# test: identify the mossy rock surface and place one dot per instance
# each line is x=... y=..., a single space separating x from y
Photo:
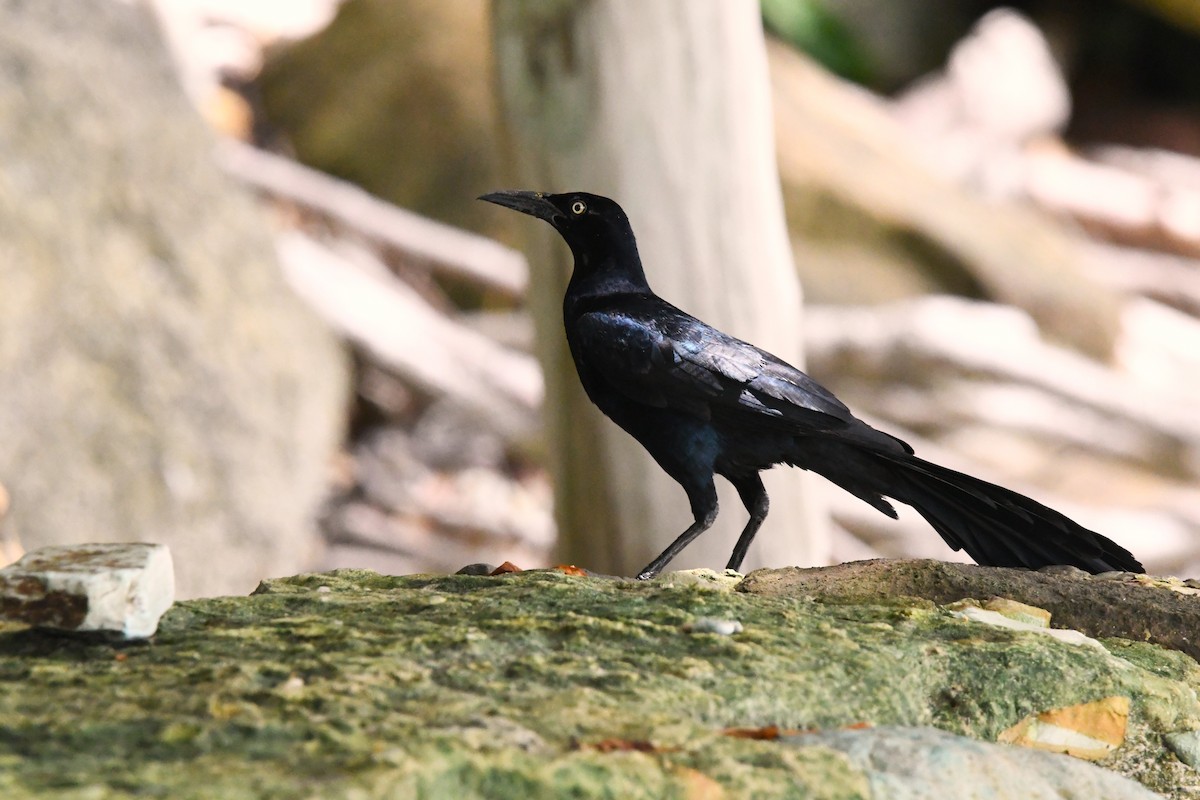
x=539 y=684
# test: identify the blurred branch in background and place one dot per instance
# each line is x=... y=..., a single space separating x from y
x=846 y=161
x=453 y=252
x=977 y=389
x=991 y=183
x=450 y=403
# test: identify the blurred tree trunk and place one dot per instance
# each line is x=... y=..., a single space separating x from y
x=665 y=107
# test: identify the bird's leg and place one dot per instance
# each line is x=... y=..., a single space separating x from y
x=704 y=509
x=754 y=496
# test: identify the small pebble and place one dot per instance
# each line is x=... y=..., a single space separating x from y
x=721 y=627
x=292 y=687
x=1186 y=746
x=476 y=569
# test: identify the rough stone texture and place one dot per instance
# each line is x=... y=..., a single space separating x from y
x=117 y=588
x=1186 y=746
x=923 y=763
x=1135 y=607
x=160 y=381
x=544 y=685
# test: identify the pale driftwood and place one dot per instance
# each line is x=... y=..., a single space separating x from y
x=664 y=106
x=841 y=149
x=365 y=526
x=402 y=333
x=1164 y=536
x=513 y=329
x=981 y=378
x=449 y=250
x=1168 y=278
x=1120 y=204
x=939 y=334
x=1000 y=87
x=1175 y=169
x=431 y=540
x=965 y=404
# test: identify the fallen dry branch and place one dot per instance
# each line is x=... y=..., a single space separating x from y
x=1115 y=202
x=449 y=250
x=1173 y=280
x=985 y=390
x=837 y=141
x=944 y=335
x=404 y=334
x=1162 y=533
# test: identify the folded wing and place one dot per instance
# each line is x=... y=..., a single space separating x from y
x=660 y=356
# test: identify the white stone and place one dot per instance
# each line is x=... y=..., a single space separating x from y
x=721 y=627
x=998 y=620
x=1186 y=746
x=122 y=588
x=927 y=764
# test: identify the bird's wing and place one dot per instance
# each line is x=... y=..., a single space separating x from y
x=660 y=356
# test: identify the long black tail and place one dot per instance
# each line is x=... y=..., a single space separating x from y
x=996 y=526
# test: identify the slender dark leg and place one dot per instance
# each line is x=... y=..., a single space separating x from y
x=704 y=509
x=754 y=496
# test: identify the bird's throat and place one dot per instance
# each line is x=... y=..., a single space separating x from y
x=595 y=275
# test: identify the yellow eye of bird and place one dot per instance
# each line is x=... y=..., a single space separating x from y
x=578 y=207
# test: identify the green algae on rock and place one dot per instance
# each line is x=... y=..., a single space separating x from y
x=354 y=684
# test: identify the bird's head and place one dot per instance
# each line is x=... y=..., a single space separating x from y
x=589 y=223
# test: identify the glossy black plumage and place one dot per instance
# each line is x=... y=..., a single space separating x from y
x=702 y=403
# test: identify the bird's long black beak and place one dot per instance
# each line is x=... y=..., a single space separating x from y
x=534 y=204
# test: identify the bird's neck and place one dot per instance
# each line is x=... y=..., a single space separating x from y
x=610 y=270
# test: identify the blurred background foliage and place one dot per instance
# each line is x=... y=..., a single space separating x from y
x=811 y=27
x=886 y=199
x=388 y=79
x=1140 y=48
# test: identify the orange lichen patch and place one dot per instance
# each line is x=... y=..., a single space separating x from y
x=1090 y=730
x=771 y=732
x=698 y=786
x=765 y=733
x=571 y=569
x=617 y=745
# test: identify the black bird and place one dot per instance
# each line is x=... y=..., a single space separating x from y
x=702 y=403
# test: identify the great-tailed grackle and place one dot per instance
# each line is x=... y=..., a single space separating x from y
x=702 y=403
